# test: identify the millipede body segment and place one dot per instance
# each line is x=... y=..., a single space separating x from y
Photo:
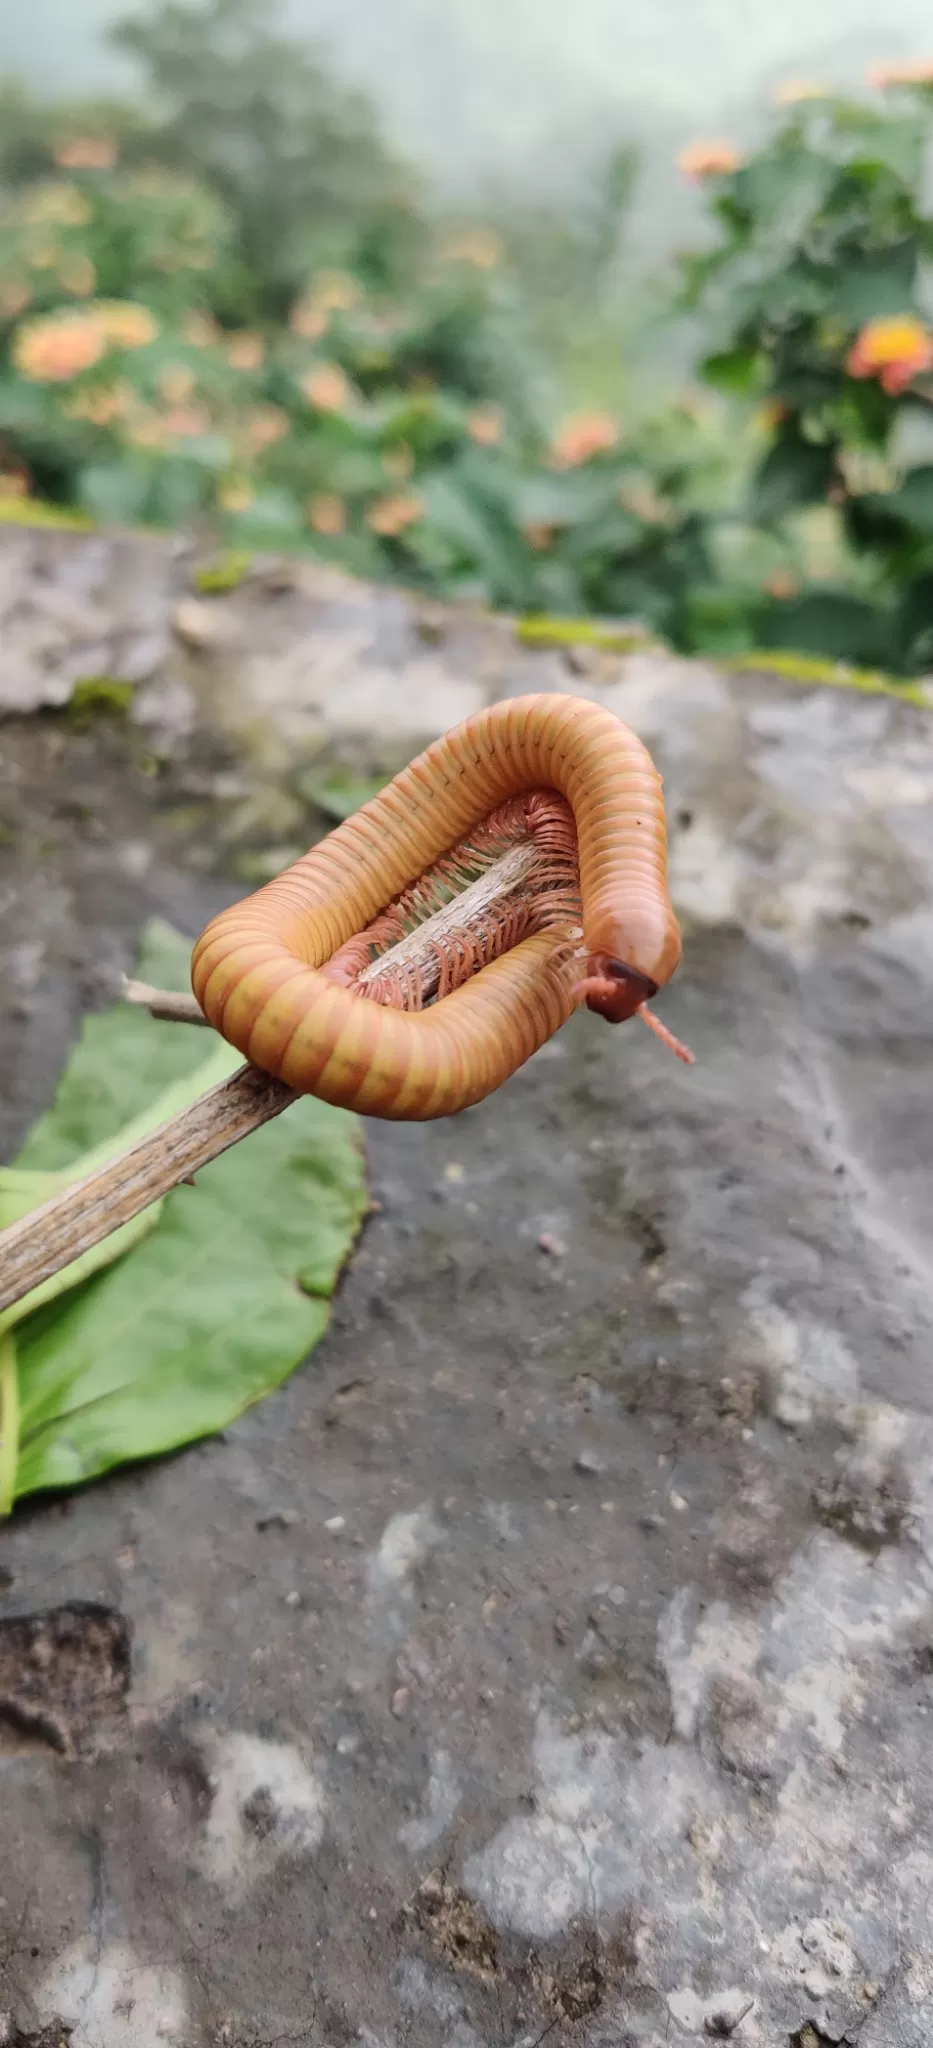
x=276 y=973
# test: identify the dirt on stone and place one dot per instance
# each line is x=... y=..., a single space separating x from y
x=64 y=1673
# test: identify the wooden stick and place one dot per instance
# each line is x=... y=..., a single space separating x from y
x=50 y=1237
x=164 y=1003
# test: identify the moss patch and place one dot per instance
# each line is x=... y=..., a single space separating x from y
x=810 y=669
x=33 y=512
x=95 y=694
x=227 y=573
x=547 y=632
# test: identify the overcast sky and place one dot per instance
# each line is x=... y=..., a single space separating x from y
x=515 y=87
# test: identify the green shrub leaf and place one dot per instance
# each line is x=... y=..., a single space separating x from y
x=220 y=1301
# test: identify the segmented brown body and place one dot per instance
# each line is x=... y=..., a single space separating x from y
x=265 y=974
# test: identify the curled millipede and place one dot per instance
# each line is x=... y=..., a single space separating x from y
x=282 y=975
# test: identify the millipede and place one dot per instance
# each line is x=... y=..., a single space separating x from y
x=280 y=974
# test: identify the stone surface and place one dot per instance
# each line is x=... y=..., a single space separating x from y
x=553 y=1656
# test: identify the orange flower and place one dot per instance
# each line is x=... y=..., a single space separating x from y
x=794 y=90
x=307 y=319
x=486 y=425
x=390 y=516
x=326 y=387
x=913 y=71
x=479 y=246
x=236 y=495
x=246 y=351
x=56 y=350
x=539 y=535
x=76 y=274
x=186 y=422
x=327 y=513
x=580 y=438
x=781 y=584
x=266 y=425
x=895 y=351
x=87 y=153
x=124 y=324
x=176 y=383
x=708 y=160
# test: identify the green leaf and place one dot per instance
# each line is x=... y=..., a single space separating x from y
x=113 y=492
x=21 y=1192
x=911 y=505
x=782 y=187
x=794 y=472
x=877 y=286
x=21 y=405
x=830 y=622
x=9 y=1421
x=24 y=1188
x=734 y=369
x=272 y=519
x=339 y=799
x=122 y=1061
x=219 y=1303
x=915 y=623
x=892 y=146
x=176 y=491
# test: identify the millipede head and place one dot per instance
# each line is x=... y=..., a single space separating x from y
x=613 y=990
x=617 y=992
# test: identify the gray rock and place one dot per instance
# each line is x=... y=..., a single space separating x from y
x=461 y=1791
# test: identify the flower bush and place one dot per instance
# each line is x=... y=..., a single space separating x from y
x=819 y=291
x=400 y=435
x=340 y=371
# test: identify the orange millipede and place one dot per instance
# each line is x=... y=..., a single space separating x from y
x=278 y=974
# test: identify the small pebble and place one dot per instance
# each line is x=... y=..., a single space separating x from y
x=277 y=1518
x=335 y=1523
x=588 y=1462
x=678 y=1503
x=400 y=1699
x=554 y=1246
x=293 y=1599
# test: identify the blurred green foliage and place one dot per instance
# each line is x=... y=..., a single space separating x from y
x=234 y=308
x=818 y=296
